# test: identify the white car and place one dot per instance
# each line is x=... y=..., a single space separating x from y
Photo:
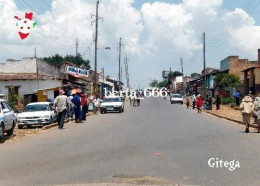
x=40 y=113
x=7 y=119
x=176 y=98
x=114 y=104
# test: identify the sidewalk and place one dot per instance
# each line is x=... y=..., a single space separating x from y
x=226 y=112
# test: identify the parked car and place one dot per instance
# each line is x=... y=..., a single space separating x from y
x=114 y=104
x=7 y=119
x=176 y=98
x=40 y=113
x=2 y=96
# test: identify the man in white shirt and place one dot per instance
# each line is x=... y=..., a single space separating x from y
x=60 y=105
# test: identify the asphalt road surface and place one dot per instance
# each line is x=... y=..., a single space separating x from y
x=155 y=143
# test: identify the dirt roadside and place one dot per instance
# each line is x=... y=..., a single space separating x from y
x=34 y=130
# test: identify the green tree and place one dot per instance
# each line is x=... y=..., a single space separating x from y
x=176 y=73
x=172 y=75
x=154 y=83
x=194 y=75
x=78 y=60
x=55 y=60
x=227 y=81
x=12 y=97
x=162 y=84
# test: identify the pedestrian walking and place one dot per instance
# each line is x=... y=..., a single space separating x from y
x=96 y=103
x=209 y=102
x=257 y=111
x=199 y=103
x=77 y=108
x=247 y=108
x=218 y=101
x=237 y=97
x=84 y=105
x=193 y=101
x=60 y=104
x=188 y=101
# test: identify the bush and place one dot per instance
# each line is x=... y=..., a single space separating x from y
x=232 y=105
x=228 y=100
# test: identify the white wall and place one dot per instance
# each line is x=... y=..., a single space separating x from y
x=29 y=86
x=27 y=65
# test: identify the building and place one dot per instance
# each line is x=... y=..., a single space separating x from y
x=27 y=76
x=197 y=85
x=115 y=83
x=234 y=65
x=105 y=85
x=252 y=78
x=33 y=79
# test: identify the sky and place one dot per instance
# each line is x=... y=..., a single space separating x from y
x=155 y=34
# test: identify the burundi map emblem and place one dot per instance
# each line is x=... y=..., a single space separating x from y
x=25 y=25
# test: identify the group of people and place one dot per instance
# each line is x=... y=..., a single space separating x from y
x=135 y=100
x=69 y=105
x=248 y=107
x=77 y=105
x=197 y=102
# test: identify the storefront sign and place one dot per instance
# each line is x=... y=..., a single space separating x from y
x=77 y=72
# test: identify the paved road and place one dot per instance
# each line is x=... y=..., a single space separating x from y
x=122 y=145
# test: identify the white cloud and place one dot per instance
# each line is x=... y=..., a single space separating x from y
x=154 y=37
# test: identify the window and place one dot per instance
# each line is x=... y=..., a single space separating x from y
x=9 y=107
x=4 y=105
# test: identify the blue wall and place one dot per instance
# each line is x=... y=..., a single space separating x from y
x=224 y=64
x=209 y=81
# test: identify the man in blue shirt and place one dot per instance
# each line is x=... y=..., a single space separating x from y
x=237 y=96
x=77 y=108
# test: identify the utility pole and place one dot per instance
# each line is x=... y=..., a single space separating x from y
x=126 y=72
x=182 y=76
x=103 y=82
x=119 y=75
x=96 y=42
x=77 y=44
x=204 y=62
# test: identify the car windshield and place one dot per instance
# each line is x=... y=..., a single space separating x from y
x=35 y=108
x=177 y=96
x=108 y=100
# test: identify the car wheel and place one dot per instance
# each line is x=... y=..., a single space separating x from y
x=101 y=112
x=120 y=110
x=1 y=133
x=171 y=102
x=123 y=110
x=11 y=131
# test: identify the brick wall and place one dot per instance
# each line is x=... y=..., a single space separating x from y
x=236 y=66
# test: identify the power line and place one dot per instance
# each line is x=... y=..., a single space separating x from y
x=119 y=76
x=238 y=23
